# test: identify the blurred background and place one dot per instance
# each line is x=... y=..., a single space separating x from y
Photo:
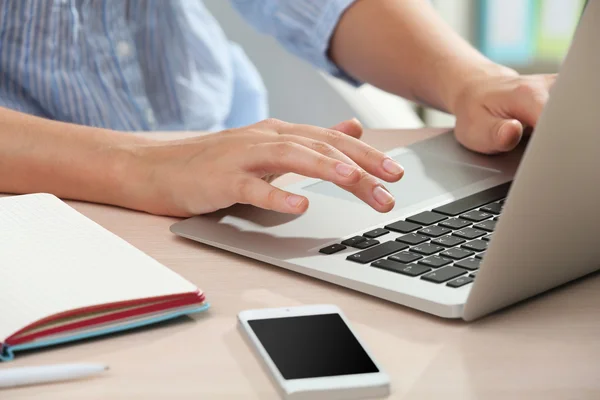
x=531 y=36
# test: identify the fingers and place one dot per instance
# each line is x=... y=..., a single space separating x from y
x=524 y=106
x=351 y=127
x=496 y=122
x=490 y=134
x=288 y=156
x=549 y=79
x=527 y=102
x=320 y=147
x=371 y=160
x=256 y=192
x=285 y=156
x=508 y=135
x=323 y=154
x=367 y=188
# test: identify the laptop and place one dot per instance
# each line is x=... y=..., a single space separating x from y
x=470 y=234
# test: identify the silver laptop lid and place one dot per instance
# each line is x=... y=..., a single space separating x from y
x=547 y=234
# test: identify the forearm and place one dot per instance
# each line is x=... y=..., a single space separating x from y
x=404 y=47
x=70 y=161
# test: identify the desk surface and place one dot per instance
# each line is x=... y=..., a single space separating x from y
x=544 y=348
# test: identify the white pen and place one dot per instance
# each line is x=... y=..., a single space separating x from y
x=21 y=376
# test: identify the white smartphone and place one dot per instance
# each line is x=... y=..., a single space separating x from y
x=312 y=353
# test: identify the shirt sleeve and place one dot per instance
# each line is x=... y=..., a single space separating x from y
x=303 y=27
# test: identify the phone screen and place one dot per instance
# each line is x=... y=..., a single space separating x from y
x=312 y=346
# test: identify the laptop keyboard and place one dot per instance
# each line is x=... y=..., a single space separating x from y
x=443 y=246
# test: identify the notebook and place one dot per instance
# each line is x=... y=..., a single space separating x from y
x=65 y=278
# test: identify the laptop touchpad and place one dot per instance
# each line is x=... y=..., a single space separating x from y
x=426 y=176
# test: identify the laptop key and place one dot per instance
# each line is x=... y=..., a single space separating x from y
x=473 y=274
x=403 y=227
x=493 y=208
x=435 y=261
x=405 y=257
x=444 y=274
x=413 y=239
x=475 y=200
x=476 y=245
x=480 y=255
x=487 y=226
x=379 y=251
x=427 y=218
x=427 y=249
x=366 y=244
x=469 y=233
x=435 y=231
x=487 y=238
x=448 y=241
x=456 y=254
x=476 y=216
x=455 y=223
x=375 y=233
x=404 y=269
x=460 y=282
x=353 y=241
x=334 y=248
x=470 y=263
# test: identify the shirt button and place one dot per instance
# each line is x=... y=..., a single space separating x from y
x=123 y=49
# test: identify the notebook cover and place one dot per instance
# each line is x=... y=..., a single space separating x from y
x=63 y=238
x=120 y=315
x=7 y=353
x=187 y=298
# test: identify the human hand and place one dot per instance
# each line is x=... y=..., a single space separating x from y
x=493 y=112
x=200 y=175
x=351 y=127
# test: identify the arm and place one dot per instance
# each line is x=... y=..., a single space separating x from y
x=404 y=47
x=191 y=176
x=69 y=161
x=412 y=52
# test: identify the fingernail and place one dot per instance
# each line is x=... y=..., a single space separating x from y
x=509 y=134
x=504 y=129
x=345 y=169
x=294 y=200
x=392 y=167
x=382 y=196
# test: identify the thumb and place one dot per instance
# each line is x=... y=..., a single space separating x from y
x=508 y=135
x=351 y=127
x=494 y=135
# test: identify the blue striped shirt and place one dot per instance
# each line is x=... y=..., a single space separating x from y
x=148 y=64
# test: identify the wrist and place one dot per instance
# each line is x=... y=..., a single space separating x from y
x=127 y=172
x=142 y=176
x=463 y=80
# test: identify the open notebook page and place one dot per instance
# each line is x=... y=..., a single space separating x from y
x=53 y=259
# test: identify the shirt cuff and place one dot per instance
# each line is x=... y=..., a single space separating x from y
x=303 y=27
x=328 y=21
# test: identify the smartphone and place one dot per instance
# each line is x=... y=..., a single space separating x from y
x=311 y=352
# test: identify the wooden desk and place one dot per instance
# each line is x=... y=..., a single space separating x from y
x=547 y=348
